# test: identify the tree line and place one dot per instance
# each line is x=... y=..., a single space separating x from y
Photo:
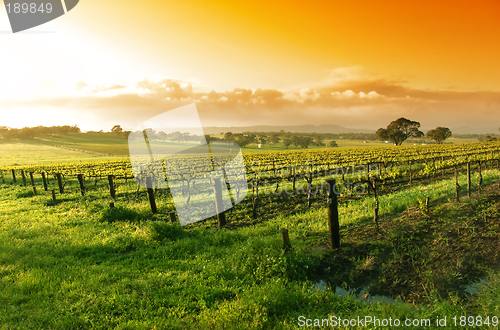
x=29 y=133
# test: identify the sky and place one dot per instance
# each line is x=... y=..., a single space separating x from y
x=358 y=64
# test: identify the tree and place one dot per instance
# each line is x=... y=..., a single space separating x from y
x=274 y=139
x=487 y=138
x=399 y=130
x=287 y=141
x=333 y=144
x=439 y=134
x=318 y=140
x=117 y=129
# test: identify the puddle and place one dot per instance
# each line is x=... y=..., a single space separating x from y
x=361 y=296
x=473 y=288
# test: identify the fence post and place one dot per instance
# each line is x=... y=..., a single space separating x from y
x=82 y=184
x=173 y=219
x=221 y=216
x=44 y=179
x=480 y=182
x=286 y=239
x=54 y=196
x=112 y=190
x=442 y=163
x=409 y=169
x=468 y=179
x=151 y=195
x=60 y=183
x=333 y=215
x=24 y=177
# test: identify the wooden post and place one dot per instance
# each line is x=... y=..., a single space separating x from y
x=24 y=177
x=468 y=179
x=218 y=203
x=286 y=239
x=44 y=180
x=14 y=175
x=427 y=203
x=112 y=191
x=442 y=163
x=457 y=186
x=151 y=194
x=82 y=184
x=255 y=201
x=60 y=183
x=375 y=212
x=333 y=215
x=54 y=196
x=32 y=179
x=409 y=169
x=309 y=184
x=294 y=179
x=173 y=218
x=480 y=182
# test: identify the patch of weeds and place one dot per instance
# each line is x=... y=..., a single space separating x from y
x=167 y=231
x=119 y=214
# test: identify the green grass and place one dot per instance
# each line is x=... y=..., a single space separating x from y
x=95 y=146
x=31 y=154
x=81 y=265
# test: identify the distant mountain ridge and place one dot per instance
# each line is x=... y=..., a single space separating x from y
x=336 y=129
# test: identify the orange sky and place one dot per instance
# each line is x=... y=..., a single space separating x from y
x=316 y=62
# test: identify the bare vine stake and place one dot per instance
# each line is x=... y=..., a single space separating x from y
x=480 y=178
x=112 y=190
x=375 y=211
x=333 y=215
x=24 y=177
x=457 y=186
x=409 y=169
x=221 y=216
x=14 y=175
x=468 y=179
x=60 y=183
x=294 y=179
x=427 y=203
x=309 y=184
x=151 y=194
x=82 y=184
x=442 y=163
x=44 y=180
x=255 y=197
x=32 y=179
x=286 y=239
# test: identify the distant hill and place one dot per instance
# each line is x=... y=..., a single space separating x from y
x=474 y=130
x=292 y=129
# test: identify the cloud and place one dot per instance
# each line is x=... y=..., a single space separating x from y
x=346 y=97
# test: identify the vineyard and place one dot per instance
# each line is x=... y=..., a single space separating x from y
x=82 y=248
x=276 y=180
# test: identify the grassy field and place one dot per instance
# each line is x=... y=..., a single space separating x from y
x=94 y=146
x=80 y=265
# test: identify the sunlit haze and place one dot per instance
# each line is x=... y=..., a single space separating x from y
x=355 y=64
